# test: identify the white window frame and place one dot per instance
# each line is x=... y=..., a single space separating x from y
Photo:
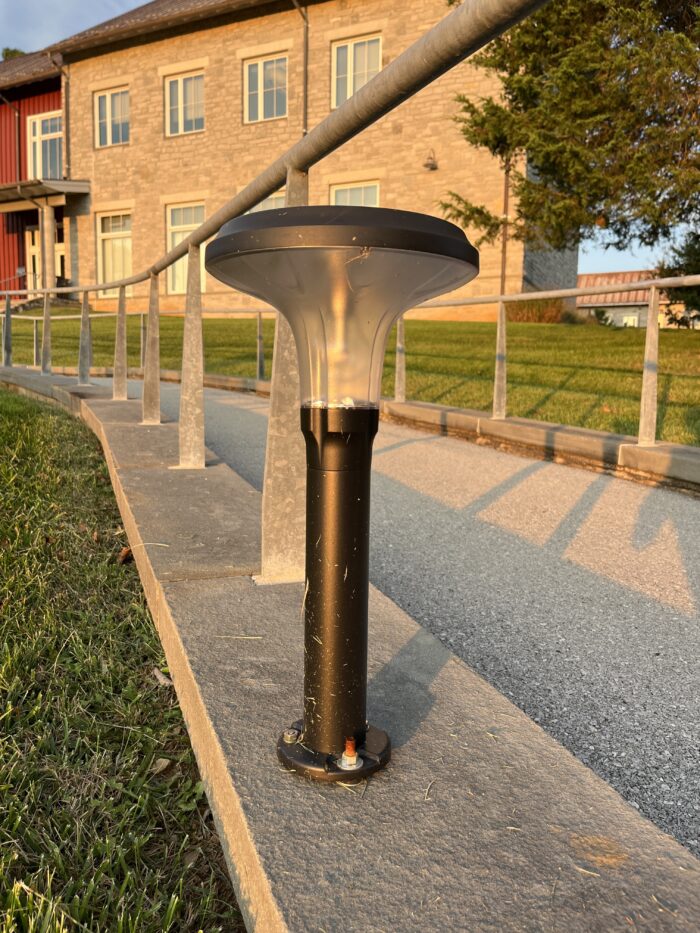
x=169 y=229
x=36 y=171
x=260 y=62
x=107 y=93
x=350 y=43
x=370 y=182
x=179 y=80
x=101 y=237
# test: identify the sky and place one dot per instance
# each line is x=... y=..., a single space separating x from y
x=33 y=24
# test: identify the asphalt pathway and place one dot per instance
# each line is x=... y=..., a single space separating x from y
x=575 y=594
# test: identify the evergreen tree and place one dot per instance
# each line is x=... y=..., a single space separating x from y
x=684 y=259
x=597 y=124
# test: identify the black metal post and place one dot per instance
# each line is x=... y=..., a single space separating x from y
x=334 y=741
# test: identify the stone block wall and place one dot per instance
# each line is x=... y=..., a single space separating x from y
x=154 y=170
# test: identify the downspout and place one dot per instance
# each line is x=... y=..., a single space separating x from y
x=305 y=16
x=66 y=110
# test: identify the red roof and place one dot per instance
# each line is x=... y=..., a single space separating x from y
x=640 y=296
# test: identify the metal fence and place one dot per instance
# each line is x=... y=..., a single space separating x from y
x=461 y=33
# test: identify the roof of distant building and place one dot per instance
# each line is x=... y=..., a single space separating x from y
x=639 y=296
x=24 y=69
x=152 y=17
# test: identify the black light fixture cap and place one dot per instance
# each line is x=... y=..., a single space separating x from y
x=363 y=227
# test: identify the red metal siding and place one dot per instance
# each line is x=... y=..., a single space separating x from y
x=42 y=97
x=35 y=98
x=12 y=228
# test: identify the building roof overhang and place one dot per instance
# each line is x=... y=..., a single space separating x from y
x=19 y=195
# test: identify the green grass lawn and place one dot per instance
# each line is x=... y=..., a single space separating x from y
x=588 y=376
x=103 y=820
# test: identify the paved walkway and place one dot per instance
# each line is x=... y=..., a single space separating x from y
x=575 y=594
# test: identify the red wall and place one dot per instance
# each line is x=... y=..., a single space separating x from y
x=31 y=99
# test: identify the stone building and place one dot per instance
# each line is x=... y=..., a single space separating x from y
x=172 y=108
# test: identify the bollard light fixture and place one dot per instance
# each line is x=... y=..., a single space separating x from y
x=341 y=276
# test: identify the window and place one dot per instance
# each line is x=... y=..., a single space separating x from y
x=355 y=62
x=630 y=320
x=182 y=220
x=184 y=104
x=113 y=248
x=112 y=118
x=45 y=155
x=365 y=194
x=265 y=89
x=271 y=203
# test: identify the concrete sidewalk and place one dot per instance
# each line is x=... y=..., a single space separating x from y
x=573 y=593
x=482 y=822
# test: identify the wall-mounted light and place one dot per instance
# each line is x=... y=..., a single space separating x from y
x=431 y=162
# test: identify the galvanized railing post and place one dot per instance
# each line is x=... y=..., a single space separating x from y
x=649 y=400
x=499 y=381
x=151 y=371
x=142 y=341
x=7 y=334
x=400 y=367
x=284 y=484
x=37 y=355
x=119 y=390
x=46 y=337
x=191 y=424
x=260 y=348
x=85 y=351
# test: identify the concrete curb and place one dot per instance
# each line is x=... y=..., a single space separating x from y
x=674 y=465
x=482 y=822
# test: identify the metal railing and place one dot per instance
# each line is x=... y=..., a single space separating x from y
x=464 y=31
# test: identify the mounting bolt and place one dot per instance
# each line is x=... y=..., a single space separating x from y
x=350 y=760
x=290 y=736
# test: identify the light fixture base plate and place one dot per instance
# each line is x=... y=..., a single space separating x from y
x=375 y=754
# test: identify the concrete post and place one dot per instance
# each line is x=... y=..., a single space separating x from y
x=499 y=382
x=48 y=246
x=37 y=355
x=284 y=484
x=7 y=334
x=46 y=338
x=400 y=369
x=85 y=351
x=142 y=339
x=119 y=391
x=260 y=349
x=648 y=405
x=151 y=371
x=191 y=423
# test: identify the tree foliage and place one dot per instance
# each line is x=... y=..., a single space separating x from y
x=11 y=53
x=598 y=121
x=684 y=259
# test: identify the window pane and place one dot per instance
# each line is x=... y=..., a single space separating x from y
x=198 y=86
x=102 y=120
x=268 y=75
x=373 y=63
x=359 y=65
x=341 y=74
x=356 y=196
x=193 y=103
x=253 y=92
x=270 y=203
x=174 y=119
